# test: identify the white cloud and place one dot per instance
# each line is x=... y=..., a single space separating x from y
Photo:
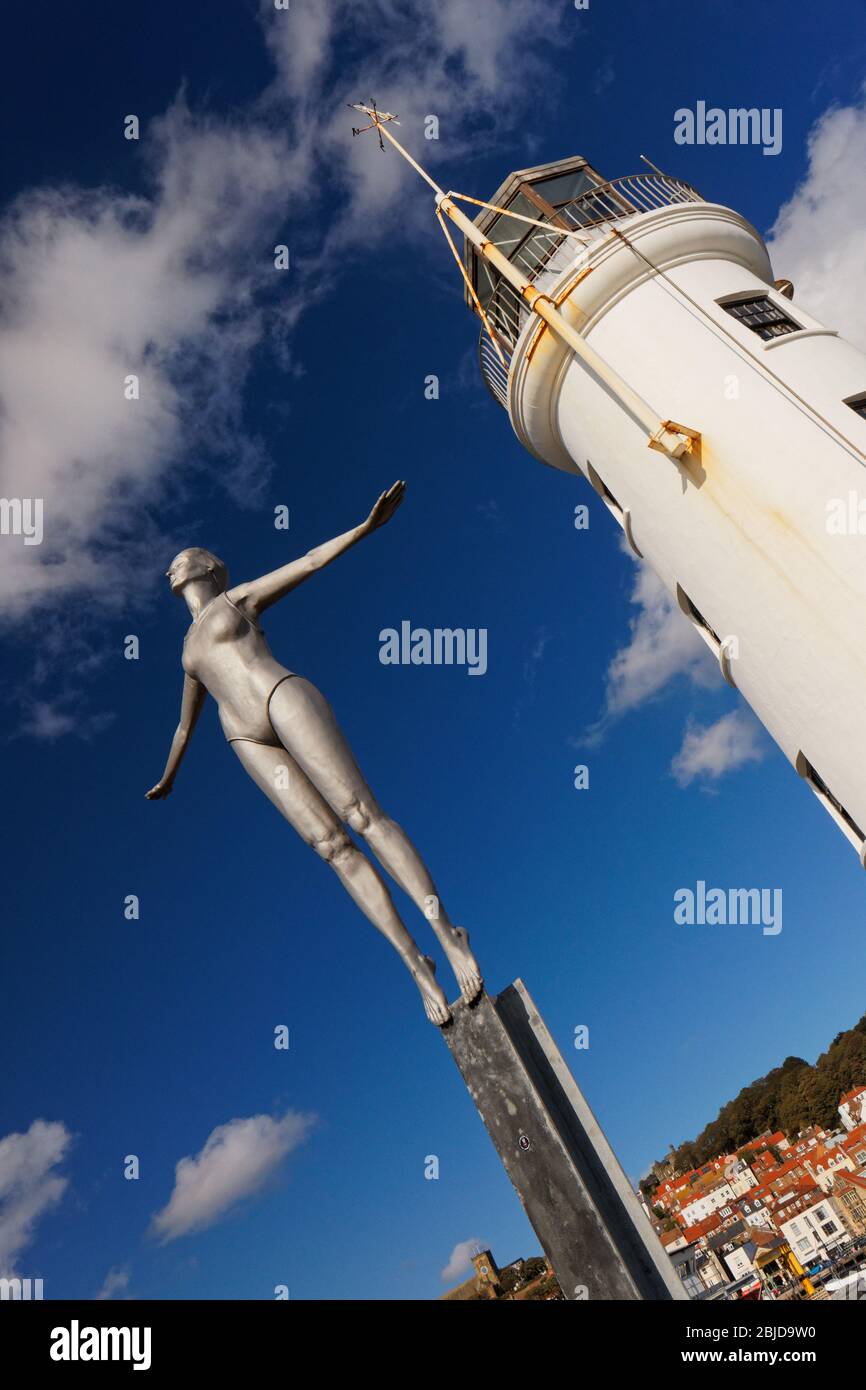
x=115 y=1284
x=708 y=752
x=817 y=240
x=98 y=285
x=46 y=721
x=473 y=67
x=460 y=1260
x=174 y=282
x=236 y=1162
x=489 y=37
x=299 y=42
x=29 y=1185
x=531 y=668
x=663 y=645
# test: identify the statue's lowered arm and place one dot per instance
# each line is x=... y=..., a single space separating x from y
x=194 y=696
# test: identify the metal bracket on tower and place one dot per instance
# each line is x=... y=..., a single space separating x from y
x=674 y=439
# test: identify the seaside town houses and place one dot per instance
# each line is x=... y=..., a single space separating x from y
x=852 y=1108
x=780 y=1218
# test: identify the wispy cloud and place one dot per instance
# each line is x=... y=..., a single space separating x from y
x=536 y=656
x=460 y=1260
x=115 y=1284
x=99 y=286
x=175 y=283
x=46 y=721
x=29 y=1185
x=662 y=647
x=817 y=240
x=447 y=60
x=710 y=751
x=490 y=511
x=176 y=286
x=531 y=667
x=237 y=1161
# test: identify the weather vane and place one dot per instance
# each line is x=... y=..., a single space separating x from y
x=375 y=124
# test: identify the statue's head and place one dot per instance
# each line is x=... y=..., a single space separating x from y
x=196 y=563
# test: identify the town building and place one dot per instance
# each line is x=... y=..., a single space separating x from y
x=852 y=1108
x=815 y=1231
x=522 y=1280
x=772 y=1218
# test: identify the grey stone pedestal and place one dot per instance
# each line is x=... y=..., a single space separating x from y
x=589 y=1221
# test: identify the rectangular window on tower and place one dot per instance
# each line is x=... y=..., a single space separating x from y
x=857 y=403
x=843 y=819
x=604 y=492
x=709 y=634
x=758 y=312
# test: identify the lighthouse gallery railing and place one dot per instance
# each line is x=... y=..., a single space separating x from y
x=592 y=212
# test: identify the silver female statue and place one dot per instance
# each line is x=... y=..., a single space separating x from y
x=285 y=734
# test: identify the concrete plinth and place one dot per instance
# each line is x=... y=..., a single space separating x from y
x=589 y=1221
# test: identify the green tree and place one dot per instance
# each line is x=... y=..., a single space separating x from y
x=790 y=1098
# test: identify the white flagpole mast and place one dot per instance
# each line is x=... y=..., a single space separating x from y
x=666 y=435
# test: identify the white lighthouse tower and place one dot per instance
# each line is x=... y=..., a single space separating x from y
x=636 y=336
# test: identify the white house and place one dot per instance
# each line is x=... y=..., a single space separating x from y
x=814 y=1233
x=738 y=1263
x=740 y=1177
x=702 y=1207
x=852 y=1108
x=828 y=1162
x=757 y=1213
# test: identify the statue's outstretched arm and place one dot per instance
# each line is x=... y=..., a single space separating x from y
x=258 y=594
x=194 y=696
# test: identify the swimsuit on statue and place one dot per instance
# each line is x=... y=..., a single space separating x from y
x=228 y=653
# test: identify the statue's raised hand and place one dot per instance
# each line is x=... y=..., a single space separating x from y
x=385 y=507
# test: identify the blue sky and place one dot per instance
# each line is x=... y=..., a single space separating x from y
x=306 y=388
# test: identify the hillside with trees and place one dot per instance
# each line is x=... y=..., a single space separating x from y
x=790 y=1098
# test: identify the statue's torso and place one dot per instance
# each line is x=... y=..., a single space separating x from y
x=228 y=653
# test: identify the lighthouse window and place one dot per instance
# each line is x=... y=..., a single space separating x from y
x=508 y=232
x=823 y=792
x=759 y=313
x=604 y=492
x=565 y=187
x=858 y=403
x=709 y=634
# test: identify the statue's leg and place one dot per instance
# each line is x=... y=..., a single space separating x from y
x=305 y=723
x=292 y=792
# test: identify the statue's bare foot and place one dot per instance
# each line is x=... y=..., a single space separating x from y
x=466 y=968
x=435 y=1003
